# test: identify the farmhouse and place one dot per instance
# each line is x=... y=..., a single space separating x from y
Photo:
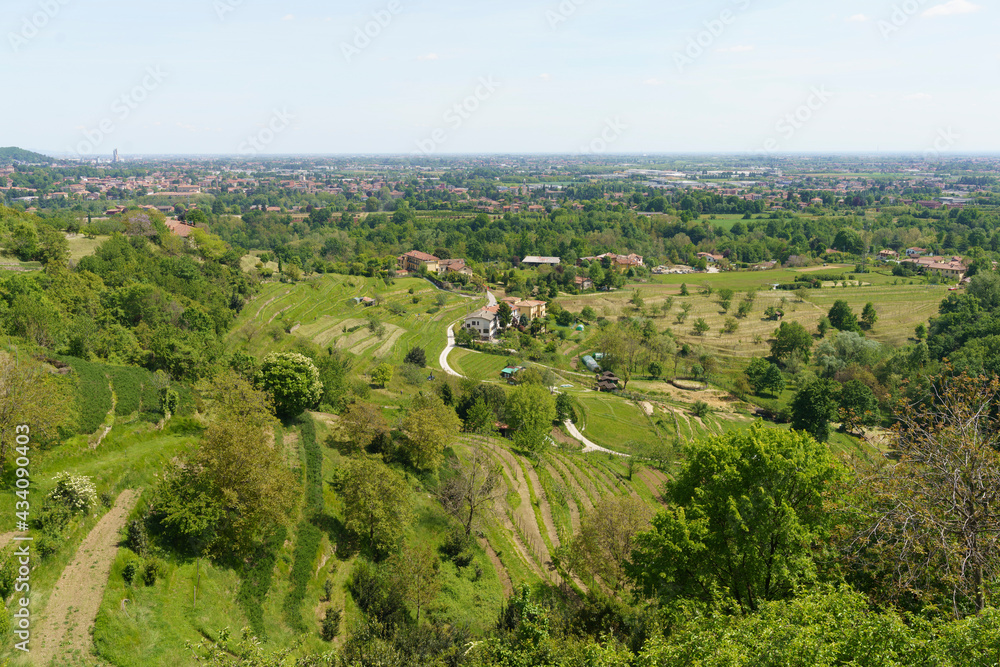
x=608 y=381
x=583 y=283
x=484 y=323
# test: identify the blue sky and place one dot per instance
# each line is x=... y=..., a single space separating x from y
x=249 y=76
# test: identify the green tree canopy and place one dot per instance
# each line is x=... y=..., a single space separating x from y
x=745 y=521
x=376 y=501
x=813 y=407
x=842 y=317
x=789 y=338
x=530 y=411
x=292 y=380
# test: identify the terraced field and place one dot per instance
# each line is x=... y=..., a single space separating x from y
x=542 y=503
x=323 y=311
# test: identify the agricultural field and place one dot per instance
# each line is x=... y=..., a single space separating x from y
x=81 y=246
x=901 y=307
x=322 y=310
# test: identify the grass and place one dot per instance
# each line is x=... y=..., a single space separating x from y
x=477 y=366
x=606 y=418
x=322 y=310
x=80 y=246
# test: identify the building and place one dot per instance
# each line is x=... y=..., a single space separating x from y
x=886 y=255
x=583 y=283
x=533 y=260
x=529 y=309
x=453 y=266
x=483 y=323
x=915 y=252
x=710 y=258
x=608 y=381
x=620 y=262
x=413 y=260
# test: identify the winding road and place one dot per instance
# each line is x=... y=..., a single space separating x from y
x=588 y=446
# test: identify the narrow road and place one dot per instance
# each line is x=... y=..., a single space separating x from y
x=443 y=359
x=588 y=446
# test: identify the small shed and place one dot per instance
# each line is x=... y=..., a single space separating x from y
x=509 y=372
x=580 y=327
x=607 y=382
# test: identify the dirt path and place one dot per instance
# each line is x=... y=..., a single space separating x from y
x=508 y=585
x=64 y=626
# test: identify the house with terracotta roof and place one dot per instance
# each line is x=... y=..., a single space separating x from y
x=483 y=323
x=413 y=260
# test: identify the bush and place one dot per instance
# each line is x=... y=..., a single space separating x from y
x=74 y=492
x=331 y=624
x=136 y=537
x=457 y=547
x=700 y=409
x=131 y=569
x=411 y=374
x=417 y=357
x=151 y=571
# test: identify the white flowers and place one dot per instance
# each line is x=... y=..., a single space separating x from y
x=76 y=492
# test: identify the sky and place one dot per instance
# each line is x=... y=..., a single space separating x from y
x=251 y=77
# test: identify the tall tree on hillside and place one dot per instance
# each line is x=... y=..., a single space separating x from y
x=622 y=346
x=376 y=501
x=813 y=407
x=746 y=519
x=472 y=488
x=32 y=403
x=931 y=521
x=843 y=318
x=530 y=411
x=430 y=426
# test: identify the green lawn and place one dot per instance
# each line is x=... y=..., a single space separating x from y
x=613 y=422
x=477 y=366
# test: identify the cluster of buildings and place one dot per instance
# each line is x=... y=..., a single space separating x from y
x=485 y=323
x=412 y=261
x=619 y=262
x=951 y=268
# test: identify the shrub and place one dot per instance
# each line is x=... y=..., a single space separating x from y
x=74 y=492
x=131 y=569
x=151 y=571
x=331 y=624
x=416 y=356
x=700 y=409
x=136 y=537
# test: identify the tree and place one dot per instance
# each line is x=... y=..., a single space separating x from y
x=858 y=406
x=480 y=418
x=789 y=338
x=773 y=381
x=813 y=407
x=235 y=490
x=529 y=412
x=745 y=520
x=755 y=373
x=604 y=544
x=376 y=501
x=364 y=424
x=472 y=488
x=637 y=300
x=504 y=314
x=869 y=316
x=931 y=522
x=823 y=326
x=292 y=380
x=725 y=299
x=701 y=326
x=623 y=346
x=667 y=306
x=731 y=325
x=685 y=311
x=920 y=331
x=564 y=407
x=416 y=356
x=382 y=375
x=684 y=289
x=588 y=314
x=744 y=309
x=843 y=318
x=32 y=403
x=430 y=426
x=655 y=369
x=414 y=573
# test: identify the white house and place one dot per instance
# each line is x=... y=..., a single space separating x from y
x=484 y=323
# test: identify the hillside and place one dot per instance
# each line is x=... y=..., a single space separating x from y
x=12 y=154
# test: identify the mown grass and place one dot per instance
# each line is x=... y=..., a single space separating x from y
x=477 y=366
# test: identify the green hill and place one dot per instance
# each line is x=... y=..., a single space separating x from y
x=13 y=154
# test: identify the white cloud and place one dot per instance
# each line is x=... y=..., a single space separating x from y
x=859 y=18
x=429 y=56
x=653 y=82
x=545 y=77
x=288 y=17
x=919 y=97
x=737 y=49
x=953 y=7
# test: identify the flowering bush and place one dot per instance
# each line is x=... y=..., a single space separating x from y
x=75 y=492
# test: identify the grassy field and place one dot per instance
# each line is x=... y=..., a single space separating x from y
x=322 y=310
x=900 y=308
x=80 y=246
x=477 y=366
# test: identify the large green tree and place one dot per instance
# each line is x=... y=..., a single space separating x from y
x=530 y=411
x=842 y=317
x=745 y=520
x=789 y=338
x=813 y=407
x=376 y=501
x=292 y=380
x=430 y=426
